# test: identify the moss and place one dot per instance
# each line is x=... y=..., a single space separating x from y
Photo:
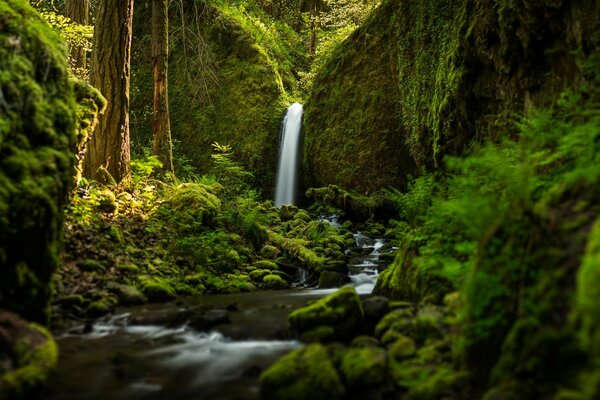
x=305 y=373
x=354 y=205
x=37 y=146
x=403 y=347
x=273 y=281
x=258 y=274
x=36 y=354
x=269 y=252
x=192 y=205
x=107 y=201
x=297 y=248
x=341 y=310
x=320 y=334
x=156 y=289
x=363 y=367
x=127 y=295
x=90 y=265
x=426 y=77
x=265 y=264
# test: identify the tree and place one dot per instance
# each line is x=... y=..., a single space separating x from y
x=110 y=72
x=161 y=125
x=77 y=11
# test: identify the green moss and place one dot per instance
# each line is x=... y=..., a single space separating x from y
x=258 y=274
x=265 y=264
x=363 y=367
x=90 y=265
x=403 y=347
x=273 y=281
x=34 y=362
x=37 y=144
x=156 y=289
x=297 y=248
x=341 y=310
x=305 y=373
x=320 y=334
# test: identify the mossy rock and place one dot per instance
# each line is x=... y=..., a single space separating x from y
x=192 y=205
x=363 y=367
x=320 y=334
x=101 y=307
x=33 y=353
x=403 y=347
x=265 y=264
x=341 y=310
x=258 y=274
x=273 y=281
x=330 y=279
x=399 y=320
x=127 y=295
x=106 y=201
x=305 y=373
x=127 y=267
x=157 y=290
x=90 y=265
x=269 y=252
x=38 y=139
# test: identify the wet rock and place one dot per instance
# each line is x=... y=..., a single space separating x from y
x=375 y=308
x=331 y=279
x=363 y=367
x=305 y=373
x=341 y=310
x=206 y=320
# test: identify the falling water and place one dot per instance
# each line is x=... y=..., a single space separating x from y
x=287 y=171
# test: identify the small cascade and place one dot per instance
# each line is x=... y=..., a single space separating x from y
x=289 y=154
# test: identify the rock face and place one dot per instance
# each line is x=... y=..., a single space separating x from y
x=427 y=77
x=37 y=156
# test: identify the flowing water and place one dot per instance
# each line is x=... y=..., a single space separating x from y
x=140 y=353
x=289 y=154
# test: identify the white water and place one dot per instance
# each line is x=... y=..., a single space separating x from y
x=289 y=151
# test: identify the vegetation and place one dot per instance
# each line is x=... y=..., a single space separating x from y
x=463 y=135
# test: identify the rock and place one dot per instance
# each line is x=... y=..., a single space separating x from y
x=365 y=341
x=157 y=290
x=305 y=373
x=273 y=281
x=32 y=353
x=287 y=212
x=340 y=310
x=269 y=252
x=89 y=265
x=363 y=367
x=258 y=274
x=106 y=201
x=208 y=319
x=429 y=323
x=331 y=279
x=399 y=320
x=375 y=307
x=127 y=295
x=265 y=264
x=402 y=348
x=320 y=334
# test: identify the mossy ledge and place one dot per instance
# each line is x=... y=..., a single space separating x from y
x=428 y=77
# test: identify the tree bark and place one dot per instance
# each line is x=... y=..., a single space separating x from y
x=78 y=11
x=110 y=72
x=161 y=126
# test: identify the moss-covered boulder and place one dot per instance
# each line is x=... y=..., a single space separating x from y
x=425 y=77
x=157 y=289
x=273 y=281
x=363 y=367
x=38 y=115
x=30 y=352
x=306 y=373
x=341 y=310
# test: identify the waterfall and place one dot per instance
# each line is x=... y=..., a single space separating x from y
x=289 y=152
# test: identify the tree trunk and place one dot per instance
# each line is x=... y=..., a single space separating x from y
x=161 y=126
x=110 y=72
x=78 y=11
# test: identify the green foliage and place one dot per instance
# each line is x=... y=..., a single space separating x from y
x=76 y=35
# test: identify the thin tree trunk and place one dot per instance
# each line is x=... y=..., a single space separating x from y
x=110 y=72
x=161 y=126
x=78 y=11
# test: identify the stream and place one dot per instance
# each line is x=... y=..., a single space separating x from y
x=145 y=353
